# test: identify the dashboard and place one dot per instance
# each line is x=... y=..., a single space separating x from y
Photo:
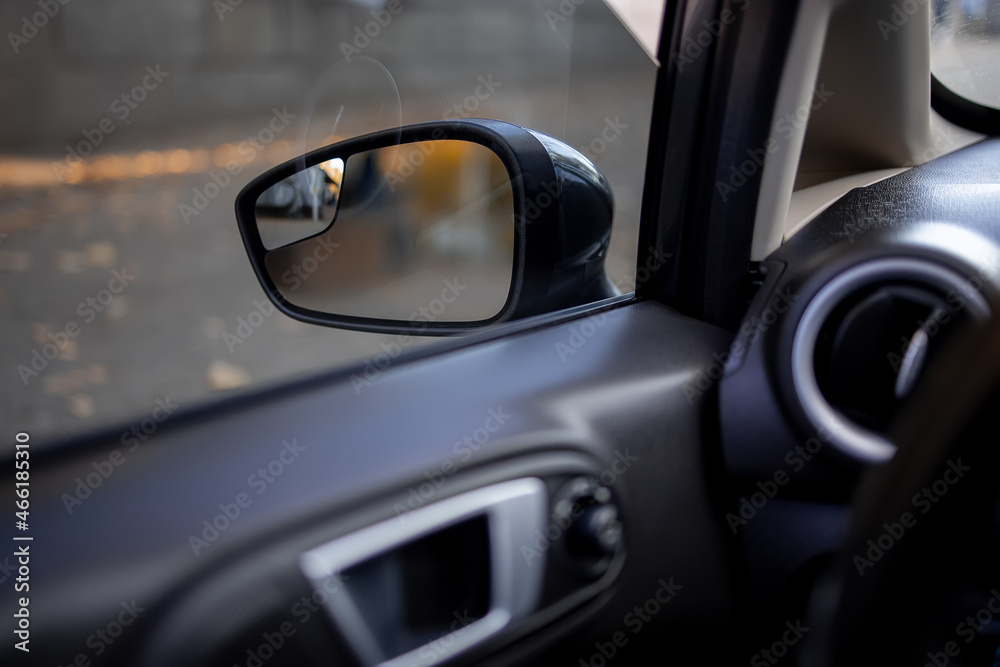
x=849 y=314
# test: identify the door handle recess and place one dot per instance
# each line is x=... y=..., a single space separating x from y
x=382 y=603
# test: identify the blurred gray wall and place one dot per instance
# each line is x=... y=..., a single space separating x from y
x=233 y=65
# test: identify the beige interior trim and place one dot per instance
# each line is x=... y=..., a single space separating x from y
x=798 y=81
x=873 y=114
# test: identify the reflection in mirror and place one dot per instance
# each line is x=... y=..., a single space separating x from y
x=424 y=233
x=300 y=206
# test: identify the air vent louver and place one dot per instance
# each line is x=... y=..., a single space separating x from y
x=864 y=340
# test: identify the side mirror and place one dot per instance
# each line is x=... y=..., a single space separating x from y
x=432 y=229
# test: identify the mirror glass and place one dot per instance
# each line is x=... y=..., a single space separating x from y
x=300 y=206
x=421 y=232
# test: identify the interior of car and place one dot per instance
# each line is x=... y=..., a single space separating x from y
x=770 y=444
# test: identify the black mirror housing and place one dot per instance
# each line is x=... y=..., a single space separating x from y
x=563 y=209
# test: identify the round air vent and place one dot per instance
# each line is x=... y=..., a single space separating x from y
x=864 y=340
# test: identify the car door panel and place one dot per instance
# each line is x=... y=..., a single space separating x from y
x=617 y=383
